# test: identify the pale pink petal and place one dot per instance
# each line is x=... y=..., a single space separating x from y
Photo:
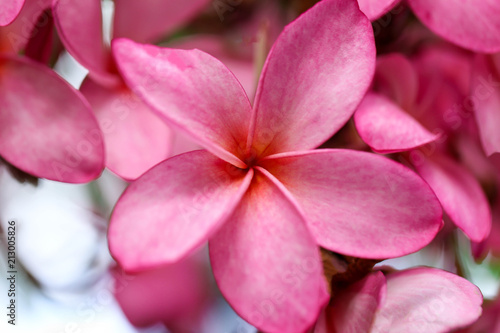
x=396 y=78
x=79 y=24
x=192 y=91
x=146 y=21
x=486 y=89
x=9 y=9
x=460 y=194
x=359 y=204
x=173 y=208
x=374 y=9
x=47 y=128
x=386 y=128
x=314 y=78
x=136 y=139
x=267 y=265
x=353 y=309
x=473 y=25
x=427 y=300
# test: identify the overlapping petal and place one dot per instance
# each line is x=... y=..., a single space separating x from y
x=9 y=9
x=47 y=128
x=79 y=24
x=374 y=9
x=266 y=263
x=315 y=76
x=473 y=25
x=359 y=204
x=427 y=300
x=173 y=208
x=136 y=139
x=386 y=128
x=485 y=87
x=147 y=20
x=192 y=91
x=460 y=194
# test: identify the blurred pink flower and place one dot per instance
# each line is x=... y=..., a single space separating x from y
x=46 y=127
x=413 y=300
x=262 y=197
x=421 y=102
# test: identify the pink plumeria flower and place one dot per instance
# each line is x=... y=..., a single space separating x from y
x=46 y=127
x=129 y=126
x=413 y=300
x=387 y=121
x=260 y=195
x=473 y=25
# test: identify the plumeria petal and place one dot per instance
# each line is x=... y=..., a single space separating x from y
x=79 y=24
x=47 y=128
x=486 y=89
x=9 y=9
x=173 y=208
x=374 y=9
x=396 y=78
x=314 y=78
x=473 y=25
x=386 y=128
x=359 y=204
x=427 y=300
x=460 y=194
x=135 y=138
x=192 y=91
x=353 y=310
x=266 y=263
x=152 y=19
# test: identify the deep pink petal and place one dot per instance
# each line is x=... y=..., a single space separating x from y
x=47 y=128
x=173 y=208
x=427 y=300
x=473 y=25
x=485 y=87
x=147 y=20
x=360 y=204
x=9 y=9
x=460 y=194
x=314 y=78
x=374 y=9
x=354 y=309
x=79 y=24
x=266 y=263
x=396 y=78
x=136 y=139
x=192 y=91
x=386 y=128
